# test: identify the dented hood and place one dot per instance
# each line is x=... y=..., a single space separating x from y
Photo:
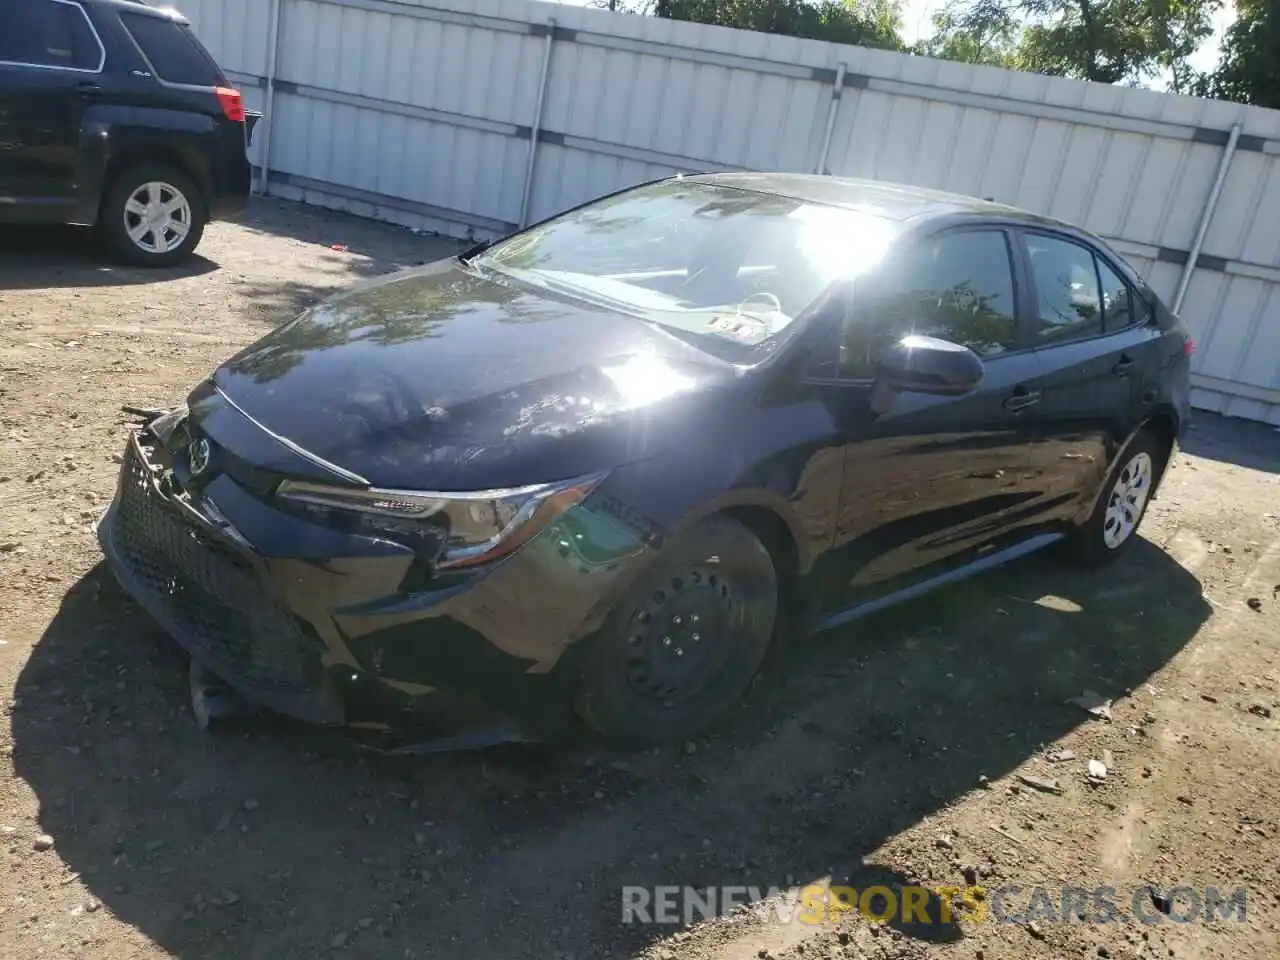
x=442 y=378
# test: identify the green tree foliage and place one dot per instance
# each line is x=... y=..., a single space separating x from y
x=1107 y=41
x=975 y=31
x=1114 y=40
x=1249 y=70
x=869 y=23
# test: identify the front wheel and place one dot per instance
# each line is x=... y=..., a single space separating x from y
x=682 y=649
x=152 y=216
x=1112 y=526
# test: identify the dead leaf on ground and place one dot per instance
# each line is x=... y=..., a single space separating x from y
x=1093 y=702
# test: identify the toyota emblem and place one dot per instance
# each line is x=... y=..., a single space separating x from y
x=198 y=455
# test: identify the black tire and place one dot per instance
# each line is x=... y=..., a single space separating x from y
x=114 y=220
x=1091 y=544
x=637 y=688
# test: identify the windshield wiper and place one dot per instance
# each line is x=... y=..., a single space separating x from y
x=578 y=293
x=473 y=251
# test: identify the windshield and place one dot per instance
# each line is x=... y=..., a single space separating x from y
x=729 y=268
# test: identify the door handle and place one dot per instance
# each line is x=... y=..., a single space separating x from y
x=1021 y=398
x=88 y=87
x=1122 y=368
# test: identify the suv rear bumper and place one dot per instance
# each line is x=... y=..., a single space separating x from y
x=231 y=174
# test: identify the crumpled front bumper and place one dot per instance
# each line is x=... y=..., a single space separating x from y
x=219 y=597
x=210 y=593
x=337 y=626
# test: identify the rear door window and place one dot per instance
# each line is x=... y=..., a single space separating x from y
x=1118 y=300
x=1067 y=289
x=172 y=50
x=48 y=33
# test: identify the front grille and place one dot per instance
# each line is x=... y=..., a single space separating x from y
x=207 y=589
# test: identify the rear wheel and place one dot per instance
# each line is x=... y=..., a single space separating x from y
x=1113 y=525
x=152 y=215
x=683 y=648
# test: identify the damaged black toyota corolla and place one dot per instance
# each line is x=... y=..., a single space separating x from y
x=579 y=475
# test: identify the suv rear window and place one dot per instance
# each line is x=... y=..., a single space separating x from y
x=173 y=51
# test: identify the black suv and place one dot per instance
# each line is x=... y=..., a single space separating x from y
x=113 y=115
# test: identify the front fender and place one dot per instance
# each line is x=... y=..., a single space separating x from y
x=807 y=542
x=799 y=489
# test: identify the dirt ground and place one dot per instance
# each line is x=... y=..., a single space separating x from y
x=888 y=753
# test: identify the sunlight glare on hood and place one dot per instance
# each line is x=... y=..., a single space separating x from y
x=644 y=379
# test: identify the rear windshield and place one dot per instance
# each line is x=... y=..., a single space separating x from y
x=173 y=51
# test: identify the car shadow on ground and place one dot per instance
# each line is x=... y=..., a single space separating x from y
x=267 y=839
x=1246 y=443
x=375 y=248
x=44 y=256
x=343 y=248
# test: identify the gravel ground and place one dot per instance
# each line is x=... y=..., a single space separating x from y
x=888 y=753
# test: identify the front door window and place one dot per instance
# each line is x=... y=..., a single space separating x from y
x=957 y=287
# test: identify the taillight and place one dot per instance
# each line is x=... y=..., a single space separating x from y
x=1189 y=347
x=232 y=103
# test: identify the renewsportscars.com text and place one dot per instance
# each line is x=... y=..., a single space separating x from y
x=1009 y=903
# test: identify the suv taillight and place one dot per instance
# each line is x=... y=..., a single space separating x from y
x=232 y=103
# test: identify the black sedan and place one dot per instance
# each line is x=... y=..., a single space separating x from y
x=589 y=473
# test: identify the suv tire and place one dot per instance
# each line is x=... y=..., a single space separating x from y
x=152 y=215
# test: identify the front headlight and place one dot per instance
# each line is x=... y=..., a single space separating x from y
x=465 y=528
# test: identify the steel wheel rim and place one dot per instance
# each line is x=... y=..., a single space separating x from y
x=157 y=217
x=1127 y=499
x=681 y=638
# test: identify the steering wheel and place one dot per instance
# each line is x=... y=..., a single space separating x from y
x=765 y=295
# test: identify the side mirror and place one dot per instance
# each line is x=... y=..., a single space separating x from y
x=929 y=365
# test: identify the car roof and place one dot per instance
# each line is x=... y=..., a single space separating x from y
x=149 y=7
x=893 y=201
